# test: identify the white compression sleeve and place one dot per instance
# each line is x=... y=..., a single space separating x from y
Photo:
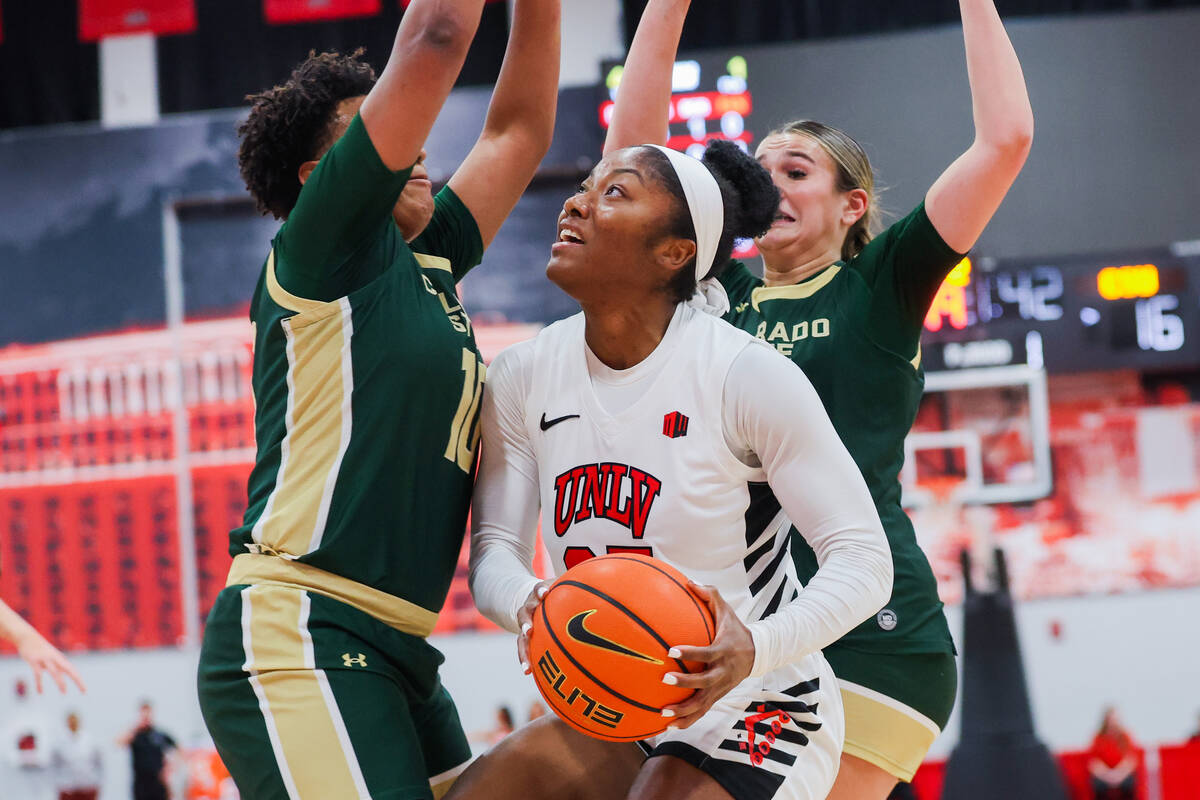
x=774 y=418
x=505 y=504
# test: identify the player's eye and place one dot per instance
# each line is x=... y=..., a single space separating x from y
x=797 y=174
x=581 y=188
x=614 y=191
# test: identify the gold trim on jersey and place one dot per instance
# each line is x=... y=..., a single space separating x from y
x=282 y=297
x=433 y=262
x=318 y=424
x=796 y=291
x=304 y=723
x=441 y=784
x=916 y=360
x=259 y=569
x=885 y=732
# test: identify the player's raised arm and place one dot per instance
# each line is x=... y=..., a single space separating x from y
x=962 y=201
x=431 y=46
x=642 y=110
x=520 y=119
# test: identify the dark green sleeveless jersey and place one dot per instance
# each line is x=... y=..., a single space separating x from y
x=367 y=383
x=854 y=328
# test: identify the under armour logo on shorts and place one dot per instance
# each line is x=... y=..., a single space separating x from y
x=361 y=661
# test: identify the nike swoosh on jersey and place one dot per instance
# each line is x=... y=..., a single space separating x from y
x=548 y=424
x=578 y=631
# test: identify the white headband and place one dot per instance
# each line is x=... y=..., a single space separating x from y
x=704 y=202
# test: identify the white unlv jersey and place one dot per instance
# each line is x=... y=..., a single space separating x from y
x=657 y=477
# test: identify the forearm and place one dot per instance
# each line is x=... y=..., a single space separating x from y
x=430 y=48
x=13 y=626
x=501 y=575
x=852 y=584
x=822 y=492
x=642 y=111
x=526 y=94
x=506 y=502
x=999 y=99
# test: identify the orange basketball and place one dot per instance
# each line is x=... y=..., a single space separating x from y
x=600 y=639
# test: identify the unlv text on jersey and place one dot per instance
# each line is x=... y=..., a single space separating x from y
x=619 y=492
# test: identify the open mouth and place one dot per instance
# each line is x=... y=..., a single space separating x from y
x=567 y=236
x=782 y=217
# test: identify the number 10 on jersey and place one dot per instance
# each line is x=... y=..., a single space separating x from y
x=464 y=429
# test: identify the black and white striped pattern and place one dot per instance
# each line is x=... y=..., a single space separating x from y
x=770 y=572
x=762 y=750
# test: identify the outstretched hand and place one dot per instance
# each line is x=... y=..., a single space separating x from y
x=45 y=657
x=728 y=661
x=525 y=622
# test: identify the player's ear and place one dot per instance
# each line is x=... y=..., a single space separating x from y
x=856 y=203
x=674 y=253
x=305 y=170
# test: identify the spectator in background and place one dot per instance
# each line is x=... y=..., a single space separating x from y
x=76 y=763
x=148 y=747
x=504 y=726
x=1112 y=760
x=26 y=737
x=39 y=653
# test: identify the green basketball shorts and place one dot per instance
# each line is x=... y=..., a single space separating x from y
x=895 y=704
x=307 y=698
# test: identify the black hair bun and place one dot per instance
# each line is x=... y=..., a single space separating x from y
x=751 y=209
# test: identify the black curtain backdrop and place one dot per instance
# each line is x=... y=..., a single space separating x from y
x=46 y=74
x=722 y=23
x=235 y=52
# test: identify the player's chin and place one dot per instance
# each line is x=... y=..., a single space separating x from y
x=567 y=270
x=778 y=237
x=412 y=217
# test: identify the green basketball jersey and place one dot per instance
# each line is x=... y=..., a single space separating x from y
x=367 y=383
x=854 y=328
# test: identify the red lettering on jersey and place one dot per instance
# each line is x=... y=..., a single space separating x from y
x=645 y=488
x=616 y=493
x=564 y=501
x=591 y=499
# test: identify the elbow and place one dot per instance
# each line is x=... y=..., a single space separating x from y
x=883 y=569
x=540 y=139
x=1011 y=146
x=526 y=131
x=446 y=27
x=887 y=576
x=1020 y=140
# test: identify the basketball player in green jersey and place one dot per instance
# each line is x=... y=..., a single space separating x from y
x=848 y=309
x=315 y=678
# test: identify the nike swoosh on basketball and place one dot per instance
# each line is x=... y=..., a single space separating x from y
x=547 y=424
x=578 y=631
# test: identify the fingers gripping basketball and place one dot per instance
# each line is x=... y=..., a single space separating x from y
x=599 y=643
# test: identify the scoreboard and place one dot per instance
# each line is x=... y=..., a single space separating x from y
x=1136 y=310
x=710 y=100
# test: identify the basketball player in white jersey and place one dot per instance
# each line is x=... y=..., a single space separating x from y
x=640 y=425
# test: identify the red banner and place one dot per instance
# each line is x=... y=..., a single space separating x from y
x=407 y=3
x=101 y=18
x=283 y=12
